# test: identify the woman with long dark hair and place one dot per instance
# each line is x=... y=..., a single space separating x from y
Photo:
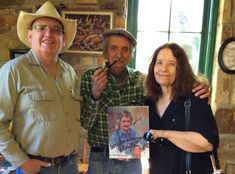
x=169 y=84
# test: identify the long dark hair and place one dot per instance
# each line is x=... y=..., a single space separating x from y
x=185 y=77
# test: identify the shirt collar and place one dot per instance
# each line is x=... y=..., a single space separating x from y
x=33 y=60
x=132 y=77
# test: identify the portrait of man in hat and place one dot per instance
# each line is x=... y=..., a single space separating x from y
x=40 y=97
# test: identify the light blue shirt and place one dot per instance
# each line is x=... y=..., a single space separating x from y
x=122 y=143
x=45 y=112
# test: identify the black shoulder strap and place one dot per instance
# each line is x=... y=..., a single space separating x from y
x=217 y=162
x=187 y=105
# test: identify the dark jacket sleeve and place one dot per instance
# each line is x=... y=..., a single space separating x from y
x=203 y=121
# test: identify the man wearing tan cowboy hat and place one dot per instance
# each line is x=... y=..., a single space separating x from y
x=40 y=97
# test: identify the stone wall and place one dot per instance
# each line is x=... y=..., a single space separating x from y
x=223 y=91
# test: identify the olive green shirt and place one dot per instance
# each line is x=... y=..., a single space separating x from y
x=45 y=112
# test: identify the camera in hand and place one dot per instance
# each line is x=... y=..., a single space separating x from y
x=148 y=136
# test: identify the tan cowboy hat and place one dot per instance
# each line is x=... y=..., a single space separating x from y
x=46 y=10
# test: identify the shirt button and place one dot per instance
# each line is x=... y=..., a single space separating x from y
x=173 y=120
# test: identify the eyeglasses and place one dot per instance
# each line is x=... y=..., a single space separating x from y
x=58 y=30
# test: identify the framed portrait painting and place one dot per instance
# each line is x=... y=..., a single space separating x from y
x=90 y=28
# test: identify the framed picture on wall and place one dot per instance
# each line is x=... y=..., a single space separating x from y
x=17 y=52
x=226 y=56
x=90 y=28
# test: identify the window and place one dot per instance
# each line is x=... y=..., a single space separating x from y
x=188 y=23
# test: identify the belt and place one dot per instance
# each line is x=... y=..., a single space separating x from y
x=56 y=160
x=99 y=149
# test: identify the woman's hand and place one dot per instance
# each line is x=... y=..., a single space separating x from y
x=187 y=140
